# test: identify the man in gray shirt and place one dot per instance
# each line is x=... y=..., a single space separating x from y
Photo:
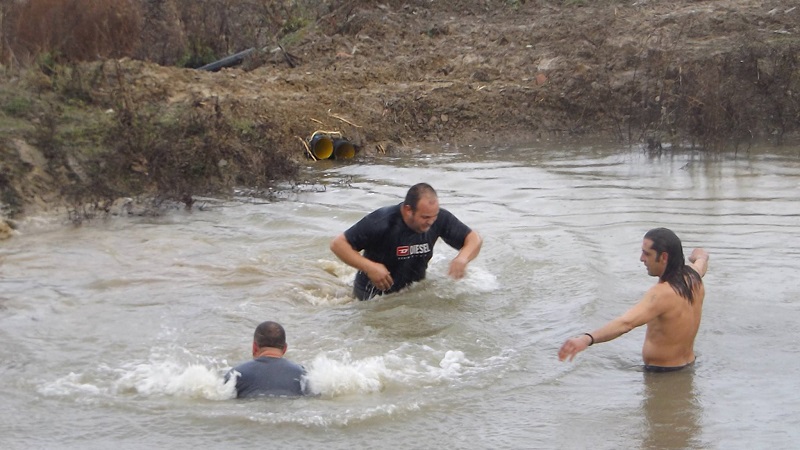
x=269 y=374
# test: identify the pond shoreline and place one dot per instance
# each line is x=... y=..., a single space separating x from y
x=393 y=77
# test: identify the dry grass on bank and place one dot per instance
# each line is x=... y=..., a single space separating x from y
x=93 y=143
x=90 y=112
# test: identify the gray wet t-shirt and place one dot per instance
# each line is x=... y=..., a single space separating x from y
x=265 y=376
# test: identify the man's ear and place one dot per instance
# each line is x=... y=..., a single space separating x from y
x=255 y=348
x=285 y=347
x=663 y=257
x=407 y=212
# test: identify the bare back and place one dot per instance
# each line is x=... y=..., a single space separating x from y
x=669 y=341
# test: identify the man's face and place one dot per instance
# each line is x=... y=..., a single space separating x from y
x=427 y=211
x=655 y=264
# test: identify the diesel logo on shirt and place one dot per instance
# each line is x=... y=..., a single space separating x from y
x=410 y=250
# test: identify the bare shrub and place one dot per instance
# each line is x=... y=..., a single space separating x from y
x=218 y=28
x=162 y=40
x=176 y=153
x=168 y=32
x=75 y=30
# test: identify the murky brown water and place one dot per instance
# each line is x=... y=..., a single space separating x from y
x=116 y=333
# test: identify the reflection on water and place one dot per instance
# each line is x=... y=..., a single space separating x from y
x=672 y=411
x=117 y=333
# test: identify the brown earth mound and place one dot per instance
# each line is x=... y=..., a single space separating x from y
x=406 y=72
x=397 y=74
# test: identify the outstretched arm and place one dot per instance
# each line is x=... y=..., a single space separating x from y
x=643 y=312
x=377 y=272
x=470 y=250
x=699 y=260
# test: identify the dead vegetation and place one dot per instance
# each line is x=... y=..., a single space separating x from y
x=104 y=104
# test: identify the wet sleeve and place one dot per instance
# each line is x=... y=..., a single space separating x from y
x=453 y=232
x=365 y=231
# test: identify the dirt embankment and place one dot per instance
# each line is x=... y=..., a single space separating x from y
x=405 y=73
x=395 y=74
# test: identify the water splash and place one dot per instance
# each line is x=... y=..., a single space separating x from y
x=338 y=373
x=172 y=379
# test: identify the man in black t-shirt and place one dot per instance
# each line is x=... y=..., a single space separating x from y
x=398 y=241
x=268 y=373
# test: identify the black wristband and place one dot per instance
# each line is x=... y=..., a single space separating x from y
x=590 y=337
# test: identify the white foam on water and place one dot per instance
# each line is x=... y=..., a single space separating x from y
x=476 y=278
x=337 y=373
x=148 y=379
x=166 y=373
x=331 y=375
x=331 y=285
x=72 y=384
x=173 y=379
x=338 y=290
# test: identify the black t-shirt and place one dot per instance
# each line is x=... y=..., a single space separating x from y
x=385 y=238
x=267 y=376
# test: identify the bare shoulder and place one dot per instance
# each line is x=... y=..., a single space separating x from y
x=658 y=291
x=662 y=297
x=657 y=299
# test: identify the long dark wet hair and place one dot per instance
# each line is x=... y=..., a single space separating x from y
x=682 y=277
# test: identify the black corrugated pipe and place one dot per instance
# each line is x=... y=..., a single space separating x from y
x=230 y=61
